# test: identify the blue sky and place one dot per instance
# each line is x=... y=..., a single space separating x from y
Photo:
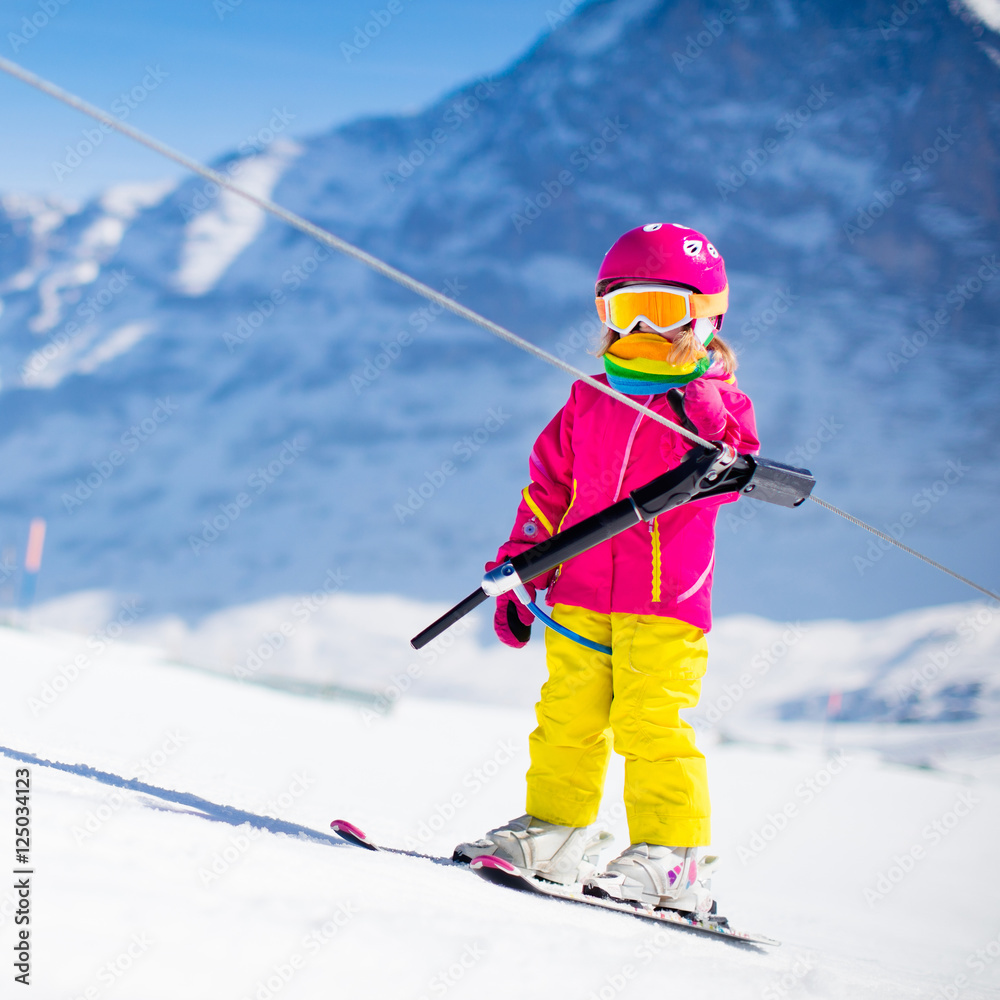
x=222 y=66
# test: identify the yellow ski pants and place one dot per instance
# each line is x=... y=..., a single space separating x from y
x=654 y=670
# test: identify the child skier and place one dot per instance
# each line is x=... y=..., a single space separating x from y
x=661 y=293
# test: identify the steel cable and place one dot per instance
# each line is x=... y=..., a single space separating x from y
x=401 y=278
x=324 y=236
x=905 y=548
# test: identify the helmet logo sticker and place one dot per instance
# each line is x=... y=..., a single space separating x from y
x=652 y=227
x=693 y=247
x=711 y=250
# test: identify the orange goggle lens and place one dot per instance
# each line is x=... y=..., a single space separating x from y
x=663 y=308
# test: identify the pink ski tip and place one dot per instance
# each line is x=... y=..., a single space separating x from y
x=488 y=861
x=342 y=826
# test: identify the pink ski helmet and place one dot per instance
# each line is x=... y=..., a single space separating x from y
x=671 y=253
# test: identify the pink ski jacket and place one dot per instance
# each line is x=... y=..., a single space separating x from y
x=592 y=453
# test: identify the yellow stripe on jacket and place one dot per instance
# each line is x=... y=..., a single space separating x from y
x=657 y=569
x=572 y=500
x=536 y=510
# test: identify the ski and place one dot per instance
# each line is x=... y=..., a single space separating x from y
x=500 y=872
x=353 y=835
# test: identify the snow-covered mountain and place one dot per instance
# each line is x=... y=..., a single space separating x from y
x=210 y=409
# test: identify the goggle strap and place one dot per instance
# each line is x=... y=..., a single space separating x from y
x=706 y=306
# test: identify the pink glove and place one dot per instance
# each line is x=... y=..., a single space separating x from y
x=512 y=620
x=704 y=407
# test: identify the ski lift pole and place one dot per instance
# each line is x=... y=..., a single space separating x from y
x=704 y=472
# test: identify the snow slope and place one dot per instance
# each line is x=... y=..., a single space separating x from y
x=183 y=852
x=932 y=670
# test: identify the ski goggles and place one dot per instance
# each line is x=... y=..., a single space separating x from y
x=663 y=307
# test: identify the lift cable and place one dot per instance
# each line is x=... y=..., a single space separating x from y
x=400 y=277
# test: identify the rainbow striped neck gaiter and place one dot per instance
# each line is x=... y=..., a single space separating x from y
x=635 y=365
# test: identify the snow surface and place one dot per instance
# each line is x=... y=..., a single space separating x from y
x=930 y=667
x=212 y=873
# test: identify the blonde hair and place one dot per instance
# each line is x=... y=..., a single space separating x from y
x=686 y=349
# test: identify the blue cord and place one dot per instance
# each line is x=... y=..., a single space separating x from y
x=569 y=633
x=522 y=595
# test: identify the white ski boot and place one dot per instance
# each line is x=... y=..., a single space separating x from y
x=563 y=854
x=670 y=877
